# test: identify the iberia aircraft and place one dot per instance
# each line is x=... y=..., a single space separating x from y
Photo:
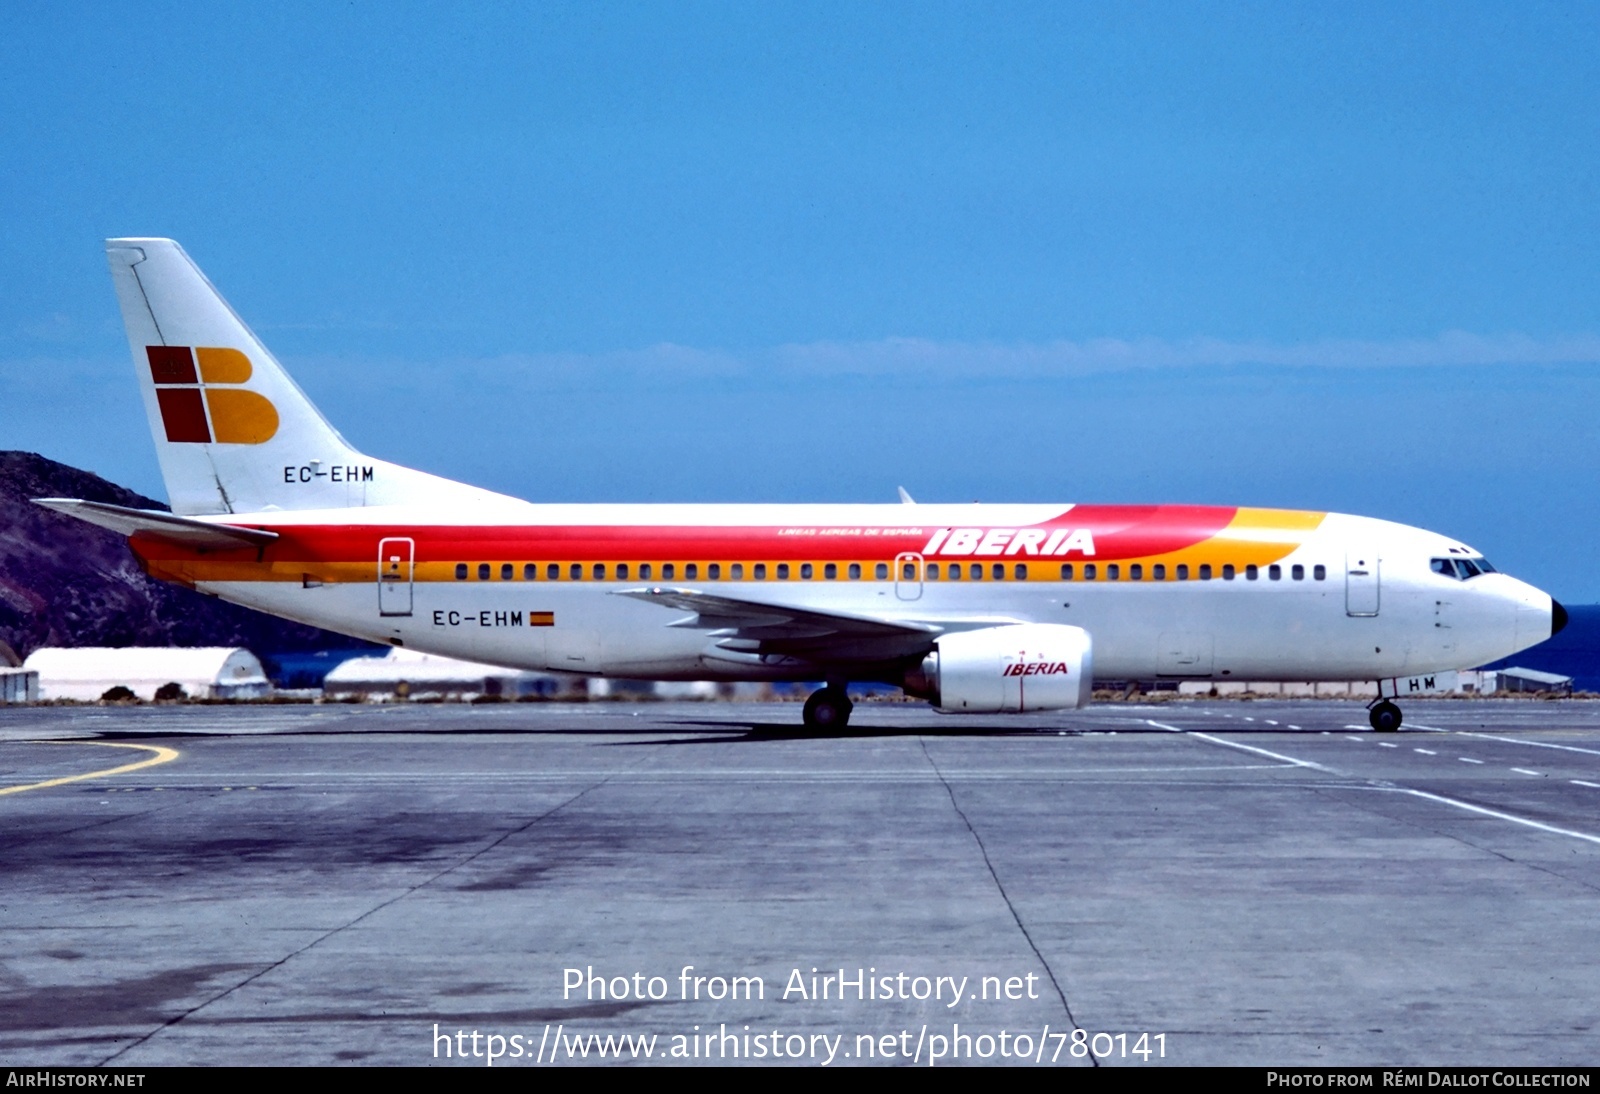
x=992 y=609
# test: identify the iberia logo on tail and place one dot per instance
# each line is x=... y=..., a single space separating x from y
x=200 y=402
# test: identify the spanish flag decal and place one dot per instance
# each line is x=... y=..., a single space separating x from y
x=200 y=402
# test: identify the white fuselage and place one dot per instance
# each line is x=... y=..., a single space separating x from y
x=1366 y=603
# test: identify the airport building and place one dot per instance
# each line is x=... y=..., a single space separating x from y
x=87 y=674
x=18 y=685
x=406 y=674
x=1519 y=679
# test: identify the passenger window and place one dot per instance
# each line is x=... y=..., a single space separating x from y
x=1227 y=571
x=908 y=571
x=855 y=571
x=1183 y=571
x=1066 y=571
x=1136 y=572
x=1320 y=572
x=881 y=571
x=1020 y=571
x=622 y=571
x=483 y=571
x=955 y=571
x=507 y=571
x=691 y=571
x=1275 y=572
x=805 y=571
x=1114 y=572
x=599 y=571
x=1251 y=572
x=668 y=571
x=998 y=571
x=975 y=571
x=530 y=572
x=552 y=571
x=1205 y=571
x=575 y=571
x=714 y=571
x=761 y=571
x=1158 y=572
x=461 y=571
x=783 y=571
x=644 y=571
x=1298 y=573
x=1089 y=571
x=736 y=571
x=831 y=571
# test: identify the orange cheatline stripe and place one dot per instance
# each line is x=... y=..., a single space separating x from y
x=1256 y=537
x=1217 y=552
x=1253 y=537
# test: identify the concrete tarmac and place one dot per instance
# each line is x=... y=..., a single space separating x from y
x=1128 y=885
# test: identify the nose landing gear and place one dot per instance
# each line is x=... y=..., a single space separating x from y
x=828 y=708
x=1384 y=716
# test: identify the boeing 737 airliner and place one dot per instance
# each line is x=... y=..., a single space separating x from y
x=991 y=609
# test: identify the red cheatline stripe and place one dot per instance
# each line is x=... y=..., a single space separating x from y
x=1119 y=532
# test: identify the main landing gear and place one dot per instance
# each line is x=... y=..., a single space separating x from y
x=828 y=708
x=1385 y=717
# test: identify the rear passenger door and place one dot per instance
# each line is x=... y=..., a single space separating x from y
x=396 y=558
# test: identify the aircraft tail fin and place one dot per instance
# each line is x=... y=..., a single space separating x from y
x=233 y=432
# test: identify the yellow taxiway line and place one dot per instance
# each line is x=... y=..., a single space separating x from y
x=162 y=755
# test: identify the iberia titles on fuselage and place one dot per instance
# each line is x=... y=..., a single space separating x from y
x=979 y=608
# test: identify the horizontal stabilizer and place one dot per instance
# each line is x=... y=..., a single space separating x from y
x=185 y=531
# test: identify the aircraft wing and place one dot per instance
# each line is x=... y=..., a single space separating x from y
x=187 y=531
x=754 y=627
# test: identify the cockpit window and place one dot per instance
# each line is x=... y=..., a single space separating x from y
x=1461 y=568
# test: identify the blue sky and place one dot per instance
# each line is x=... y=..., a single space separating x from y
x=1329 y=256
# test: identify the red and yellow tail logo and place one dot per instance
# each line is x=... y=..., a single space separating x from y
x=195 y=410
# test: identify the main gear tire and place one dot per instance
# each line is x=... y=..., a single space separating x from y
x=828 y=709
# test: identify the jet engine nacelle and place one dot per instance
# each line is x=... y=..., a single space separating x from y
x=1024 y=666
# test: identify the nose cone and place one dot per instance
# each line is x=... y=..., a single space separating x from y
x=1538 y=615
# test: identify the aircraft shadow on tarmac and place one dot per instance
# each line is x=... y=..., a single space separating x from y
x=716 y=733
x=707 y=732
x=712 y=733
x=652 y=731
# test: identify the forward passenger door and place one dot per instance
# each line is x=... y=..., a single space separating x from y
x=1361 y=582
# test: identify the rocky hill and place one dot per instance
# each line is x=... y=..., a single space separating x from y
x=67 y=583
